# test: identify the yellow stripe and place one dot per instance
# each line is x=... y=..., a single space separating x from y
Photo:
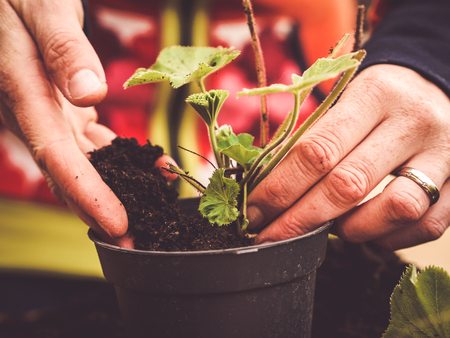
x=188 y=135
x=201 y=24
x=170 y=24
x=170 y=35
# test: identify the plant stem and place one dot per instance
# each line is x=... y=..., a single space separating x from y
x=213 y=140
x=244 y=202
x=192 y=181
x=276 y=142
x=203 y=157
x=338 y=46
x=211 y=131
x=244 y=212
x=226 y=161
x=359 y=31
x=260 y=69
x=239 y=170
x=346 y=77
x=201 y=84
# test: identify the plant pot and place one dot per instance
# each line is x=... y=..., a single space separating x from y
x=258 y=291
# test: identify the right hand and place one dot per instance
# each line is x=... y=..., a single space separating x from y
x=48 y=71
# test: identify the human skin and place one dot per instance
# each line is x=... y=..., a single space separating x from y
x=49 y=72
x=388 y=117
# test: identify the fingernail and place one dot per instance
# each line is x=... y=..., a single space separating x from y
x=255 y=217
x=84 y=83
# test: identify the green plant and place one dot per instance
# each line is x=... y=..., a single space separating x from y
x=224 y=200
x=420 y=305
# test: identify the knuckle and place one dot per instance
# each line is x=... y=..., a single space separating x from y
x=47 y=153
x=378 y=83
x=317 y=154
x=426 y=118
x=290 y=226
x=422 y=111
x=433 y=228
x=39 y=155
x=276 y=194
x=60 y=48
x=347 y=186
x=54 y=188
x=402 y=207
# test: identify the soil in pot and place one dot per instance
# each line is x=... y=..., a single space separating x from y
x=152 y=206
x=216 y=292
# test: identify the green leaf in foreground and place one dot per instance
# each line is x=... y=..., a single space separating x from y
x=323 y=69
x=420 y=305
x=218 y=202
x=237 y=147
x=181 y=65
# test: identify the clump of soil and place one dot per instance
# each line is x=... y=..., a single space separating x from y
x=154 y=216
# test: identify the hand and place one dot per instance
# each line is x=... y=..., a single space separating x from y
x=48 y=69
x=387 y=118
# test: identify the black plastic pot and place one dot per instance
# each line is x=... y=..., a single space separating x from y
x=259 y=291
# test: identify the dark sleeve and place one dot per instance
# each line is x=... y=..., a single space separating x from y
x=86 y=27
x=414 y=34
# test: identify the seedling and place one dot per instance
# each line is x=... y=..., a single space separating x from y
x=420 y=303
x=241 y=166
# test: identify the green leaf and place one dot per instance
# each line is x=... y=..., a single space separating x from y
x=247 y=141
x=323 y=69
x=241 y=155
x=208 y=104
x=237 y=147
x=218 y=202
x=181 y=65
x=420 y=305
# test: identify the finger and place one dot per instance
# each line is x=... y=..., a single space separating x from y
x=429 y=227
x=162 y=163
x=39 y=121
x=393 y=142
x=99 y=135
x=126 y=241
x=345 y=186
x=317 y=152
x=88 y=133
x=402 y=203
x=79 y=182
x=68 y=56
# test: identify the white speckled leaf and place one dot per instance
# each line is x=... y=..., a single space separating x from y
x=323 y=69
x=180 y=65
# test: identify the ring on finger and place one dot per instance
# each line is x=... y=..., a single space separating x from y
x=423 y=181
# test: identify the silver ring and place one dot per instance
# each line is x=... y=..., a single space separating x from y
x=423 y=181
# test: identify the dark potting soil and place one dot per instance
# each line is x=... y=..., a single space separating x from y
x=154 y=216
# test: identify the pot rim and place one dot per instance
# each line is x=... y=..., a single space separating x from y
x=236 y=251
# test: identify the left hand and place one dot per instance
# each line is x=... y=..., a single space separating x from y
x=387 y=118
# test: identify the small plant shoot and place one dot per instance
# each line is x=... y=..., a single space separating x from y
x=225 y=198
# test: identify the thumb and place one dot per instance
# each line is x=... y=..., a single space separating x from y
x=69 y=58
